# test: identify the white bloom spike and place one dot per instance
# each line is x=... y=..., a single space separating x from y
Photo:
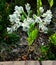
x=41 y=9
x=27 y=6
x=19 y=9
x=15 y=19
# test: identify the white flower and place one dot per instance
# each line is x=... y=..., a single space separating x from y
x=9 y=30
x=27 y=6
x=41 y=9
x=26 y=23
x=41 y=25
x=38 y=20
x=16 y=7
x=30 y=20
x=43 y=28
x=12 y=18
x=48 y=12
x=17 y=20
x=25 y=26
x=47 y=17
x=15 y=27
x=20 y=24
x=46 y=21
x=17 y=14
x=19 y=9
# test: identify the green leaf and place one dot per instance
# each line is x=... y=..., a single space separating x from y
x=32 y=37
x=34 y=33
x=50 y=2
x=22 y=17
x=31 y=28
x=52 y=39
x=39 y=4
x=30 y=41
x=43 y=50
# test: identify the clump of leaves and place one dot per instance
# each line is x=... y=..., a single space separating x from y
x=43 y=50
x=46 y=53
x=32 y=34
x=52 y=39
x=11 y=38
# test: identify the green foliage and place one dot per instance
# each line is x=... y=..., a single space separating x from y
x=44 y=50
x=32 y=33
x=39 y=4
x=32 y=37
x=46 y=53
x=31 y=29
x=11 y=38
x=51 y=3
x=52 y=39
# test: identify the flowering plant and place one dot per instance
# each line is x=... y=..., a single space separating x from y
x=43 y=20
x=20 y=18
x=23 y=19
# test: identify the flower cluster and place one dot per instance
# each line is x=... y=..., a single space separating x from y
x=16 y=19
x=20 y=18
x=43 y=20
x=26 y=23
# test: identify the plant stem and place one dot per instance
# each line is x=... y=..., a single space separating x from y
x=28 y=51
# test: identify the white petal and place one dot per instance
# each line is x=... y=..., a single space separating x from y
x=41 y=9
x=27 y=6
x=9 y=30
x=38 y=20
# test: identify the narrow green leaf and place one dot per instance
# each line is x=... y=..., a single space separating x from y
x=50 y=2
x=39 y=4
x=32 y=37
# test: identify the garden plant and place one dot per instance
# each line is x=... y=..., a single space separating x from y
x=27 y=34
